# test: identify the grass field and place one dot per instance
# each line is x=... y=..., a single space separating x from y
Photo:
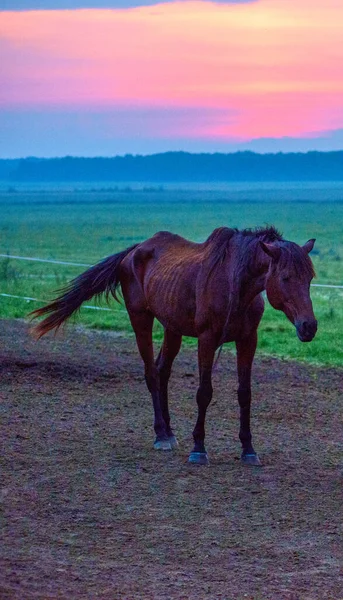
x=83 y=225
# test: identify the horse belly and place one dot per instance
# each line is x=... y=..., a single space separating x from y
x=174 y=316
x=172 y=301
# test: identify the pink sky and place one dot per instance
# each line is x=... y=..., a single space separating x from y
x=216 y=73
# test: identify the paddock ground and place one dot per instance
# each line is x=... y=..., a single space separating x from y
x=91 y=511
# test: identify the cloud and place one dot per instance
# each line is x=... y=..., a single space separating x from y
x=107 y=132
x=140 y=131
x=26 y=5
x=325 y=141
x=184 y=75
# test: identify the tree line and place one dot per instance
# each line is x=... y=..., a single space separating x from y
x=178 y=167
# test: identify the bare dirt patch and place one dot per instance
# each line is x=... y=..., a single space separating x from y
x=90 y=510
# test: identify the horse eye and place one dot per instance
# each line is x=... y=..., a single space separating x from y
x=285 y=279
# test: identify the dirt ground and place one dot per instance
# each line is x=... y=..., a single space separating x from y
x=91 y=511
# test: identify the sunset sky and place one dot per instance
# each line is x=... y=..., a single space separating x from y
x=93 y=78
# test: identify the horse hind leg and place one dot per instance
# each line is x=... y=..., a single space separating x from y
x=142 y=323
x=169 y=350
x=206 y=351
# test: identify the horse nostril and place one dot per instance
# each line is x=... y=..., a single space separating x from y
x=306 y=326
x=309 y=326
x=312 y=327
x=306 y=329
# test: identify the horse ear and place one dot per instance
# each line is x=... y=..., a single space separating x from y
x=271 y=250
x=309 y=245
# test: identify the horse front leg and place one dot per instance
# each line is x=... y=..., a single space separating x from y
x=206 y=351
x=246 y=349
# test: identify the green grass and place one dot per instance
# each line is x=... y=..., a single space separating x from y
x=85 y=226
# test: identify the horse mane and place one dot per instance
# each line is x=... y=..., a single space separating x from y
x=266 y=234
x=219 y=240
x=217 y=245
x=248 y=243
x=292 y=257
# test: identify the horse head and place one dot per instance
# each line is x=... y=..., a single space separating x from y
x=288 y=284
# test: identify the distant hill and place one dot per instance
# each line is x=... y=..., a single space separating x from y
x=179 y=167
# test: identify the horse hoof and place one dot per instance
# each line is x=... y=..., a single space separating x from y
x=173 y=441
x=162 y=445
x=251 y=459
x=198 y=458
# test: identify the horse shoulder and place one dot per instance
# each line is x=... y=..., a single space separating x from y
x=253 y=315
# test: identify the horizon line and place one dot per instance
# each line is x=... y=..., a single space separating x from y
x=127 y=154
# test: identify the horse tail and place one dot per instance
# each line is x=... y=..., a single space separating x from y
x=102 y=278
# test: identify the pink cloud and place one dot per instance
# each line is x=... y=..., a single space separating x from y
x=271 y=68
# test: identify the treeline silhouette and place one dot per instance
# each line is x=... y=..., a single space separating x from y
x=179 y=167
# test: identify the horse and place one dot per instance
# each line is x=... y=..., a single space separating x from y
x=211 y=291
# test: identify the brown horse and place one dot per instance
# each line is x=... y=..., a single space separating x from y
x=210 y=291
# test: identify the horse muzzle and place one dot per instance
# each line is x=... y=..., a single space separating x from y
x=306 y=330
